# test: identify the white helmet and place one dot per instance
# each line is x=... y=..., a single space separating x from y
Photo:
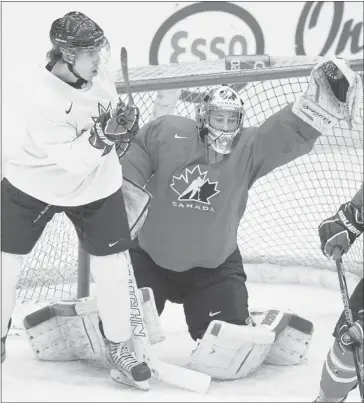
x=221 y=129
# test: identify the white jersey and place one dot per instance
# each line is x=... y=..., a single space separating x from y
x=55 y=162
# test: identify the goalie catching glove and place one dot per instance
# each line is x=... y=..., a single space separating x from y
x=115 y=127
x=334 y=93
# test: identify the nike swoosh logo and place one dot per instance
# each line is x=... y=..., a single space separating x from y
x=176 y=136
x=69 y=110
x=214 y=313
x=111 y=244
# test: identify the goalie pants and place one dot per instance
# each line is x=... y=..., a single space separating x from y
x=206 y=294
x=356 y=303
x=102 y=226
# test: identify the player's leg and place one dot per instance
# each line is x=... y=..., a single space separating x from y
x=149 y=274
x=338 y=376
x=103 y=231
x=219 y=294
x=216 y=311
x=23 y=219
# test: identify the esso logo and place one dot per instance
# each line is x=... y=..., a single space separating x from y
x=206 y=31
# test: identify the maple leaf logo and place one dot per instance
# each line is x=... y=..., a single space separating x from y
x=193 y=185
x=102 y=110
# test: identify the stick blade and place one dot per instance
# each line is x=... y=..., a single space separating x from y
x=181 y=377
x=125 y=72
x=123 y=57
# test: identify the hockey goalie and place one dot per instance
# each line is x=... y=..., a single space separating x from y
x=199 y=173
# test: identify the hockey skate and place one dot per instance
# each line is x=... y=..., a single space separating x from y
x=124 y=367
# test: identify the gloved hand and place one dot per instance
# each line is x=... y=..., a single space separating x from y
x=117 y=125
x=340 y=230
x=350 y=336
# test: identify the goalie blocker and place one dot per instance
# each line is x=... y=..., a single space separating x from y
x=229 y=351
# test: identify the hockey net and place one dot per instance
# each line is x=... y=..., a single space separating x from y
x=278 y=235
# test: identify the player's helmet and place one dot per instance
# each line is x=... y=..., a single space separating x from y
x=77 y=31
x=223 y=98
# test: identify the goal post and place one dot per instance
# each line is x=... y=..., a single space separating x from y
x=279 y=227
x=83 y=273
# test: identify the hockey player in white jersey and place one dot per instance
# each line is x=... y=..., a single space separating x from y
x=68 y=163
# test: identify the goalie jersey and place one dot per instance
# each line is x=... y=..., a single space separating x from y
x=55 y=162
x=196 y=207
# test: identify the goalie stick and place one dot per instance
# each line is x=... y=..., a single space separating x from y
x=173 y=374
x=348 y=316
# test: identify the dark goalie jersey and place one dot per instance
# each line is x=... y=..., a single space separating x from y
x=197 y=206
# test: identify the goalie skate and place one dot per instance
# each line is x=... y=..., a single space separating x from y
x=124 y=367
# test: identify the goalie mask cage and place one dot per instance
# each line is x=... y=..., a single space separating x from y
x=278 y=235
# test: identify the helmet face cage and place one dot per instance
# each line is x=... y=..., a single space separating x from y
x=69 y=52
x=223 y=98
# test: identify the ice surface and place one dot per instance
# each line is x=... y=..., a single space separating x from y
x=27 y=380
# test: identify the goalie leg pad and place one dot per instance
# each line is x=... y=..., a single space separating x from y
x=293 y=336
x=65 y=330
x=229 y=351
x=69 y=330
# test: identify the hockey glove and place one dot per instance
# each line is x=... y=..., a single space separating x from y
x=115 y=126
x=351 y=336
x=334 y=93
x=341 y=229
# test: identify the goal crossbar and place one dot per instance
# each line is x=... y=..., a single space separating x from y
x=206 y=73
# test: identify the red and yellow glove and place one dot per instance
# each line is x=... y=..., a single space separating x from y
x=116 y=126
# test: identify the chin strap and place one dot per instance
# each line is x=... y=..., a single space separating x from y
x=81 y=80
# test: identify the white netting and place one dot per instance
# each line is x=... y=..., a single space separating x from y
x=284 y=208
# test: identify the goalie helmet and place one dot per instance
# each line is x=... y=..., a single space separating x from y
x=75 y=31
x=220 y=118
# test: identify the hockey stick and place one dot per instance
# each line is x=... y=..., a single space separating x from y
x=348 y=316
x=173 y=374
x=169 y=373
x=123 y=145
x=124 y=70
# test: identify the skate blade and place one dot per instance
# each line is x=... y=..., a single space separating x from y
x=121 y=378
